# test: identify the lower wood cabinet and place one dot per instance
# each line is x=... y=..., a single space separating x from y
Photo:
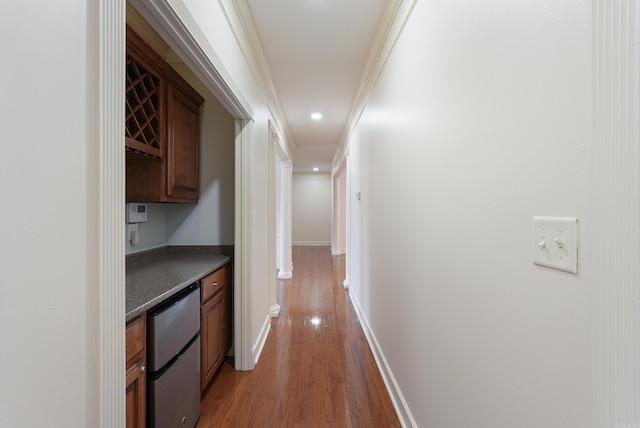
x=215 y=325
x=136 y=372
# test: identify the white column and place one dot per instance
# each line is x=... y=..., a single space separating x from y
x=611 y=233
x=278 y=210
x=336 y=219
x=286 y=263
x=342 y=213
x=109 y=274
x=347 y=225
x=274 y=307
x=243 y=256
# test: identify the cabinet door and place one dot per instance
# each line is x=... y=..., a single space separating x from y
x=183 y=118
x=136 y=396
x=213 y=329
x=136 y=335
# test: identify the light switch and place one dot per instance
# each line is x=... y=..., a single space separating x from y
x=555 y=243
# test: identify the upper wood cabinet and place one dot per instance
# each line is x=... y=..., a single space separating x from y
x=144 y=107
x=162 y=129
x=182 y=145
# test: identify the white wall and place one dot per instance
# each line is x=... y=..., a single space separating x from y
x=481 y=120
x=152 y=233
x=48 y=168
x=311 y=208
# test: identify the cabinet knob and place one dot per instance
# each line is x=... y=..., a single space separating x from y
x=215 y=283
x=143 y=369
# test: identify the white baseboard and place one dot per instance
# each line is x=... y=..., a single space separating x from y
x=256 y=350
x=399 y=403
x=285 y=275
x=274 y=311
x=312 y=243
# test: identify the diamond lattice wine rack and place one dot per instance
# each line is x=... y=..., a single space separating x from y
x=142 y=121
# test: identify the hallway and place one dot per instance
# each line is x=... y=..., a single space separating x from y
x=316 y=369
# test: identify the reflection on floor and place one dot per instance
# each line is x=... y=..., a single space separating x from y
x=316 y=369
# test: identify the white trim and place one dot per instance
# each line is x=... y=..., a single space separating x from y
x=335 y=208
x=256 y=350
x=240 y=20
x=615 y=238
x=397 y=398
x=272 y=220
x=274 y=311
x=106 y=281
x=173 y=22
x=347 y=221
x=286 y=179
x=286 y=274
x=243 y=280
x=391 y=25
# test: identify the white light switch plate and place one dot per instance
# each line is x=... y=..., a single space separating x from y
x=555 y=243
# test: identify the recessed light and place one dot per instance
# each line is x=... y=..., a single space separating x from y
x=316 y=116
x=315 y=168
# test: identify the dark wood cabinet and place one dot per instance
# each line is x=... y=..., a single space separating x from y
x=144 y=102
x=162 y=129
x=212 y=316
x=136 y=373
x=182 y=146
x=215 y=325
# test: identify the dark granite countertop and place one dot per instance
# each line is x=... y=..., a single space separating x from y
x=155 y=275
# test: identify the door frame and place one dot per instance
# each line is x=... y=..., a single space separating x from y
x=177 y=27
x=107 y=407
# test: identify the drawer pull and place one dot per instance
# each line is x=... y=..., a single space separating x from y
x=215 y=283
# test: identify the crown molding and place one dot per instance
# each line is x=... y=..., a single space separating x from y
x=240 y=20
x=392 y=23
x=173 y=22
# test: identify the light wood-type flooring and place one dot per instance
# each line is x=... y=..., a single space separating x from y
x=316 y=368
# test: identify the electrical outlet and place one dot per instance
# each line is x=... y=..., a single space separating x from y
x=555 y=243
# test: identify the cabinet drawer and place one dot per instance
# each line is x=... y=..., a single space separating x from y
x=213 y=282
x=135 y=334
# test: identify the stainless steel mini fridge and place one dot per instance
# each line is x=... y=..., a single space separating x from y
x=173 y=391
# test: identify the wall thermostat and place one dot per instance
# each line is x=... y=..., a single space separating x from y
x=136 y=212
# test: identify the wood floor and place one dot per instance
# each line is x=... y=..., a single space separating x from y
x=316 y=369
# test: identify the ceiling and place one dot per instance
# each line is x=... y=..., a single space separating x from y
x=316 y=52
